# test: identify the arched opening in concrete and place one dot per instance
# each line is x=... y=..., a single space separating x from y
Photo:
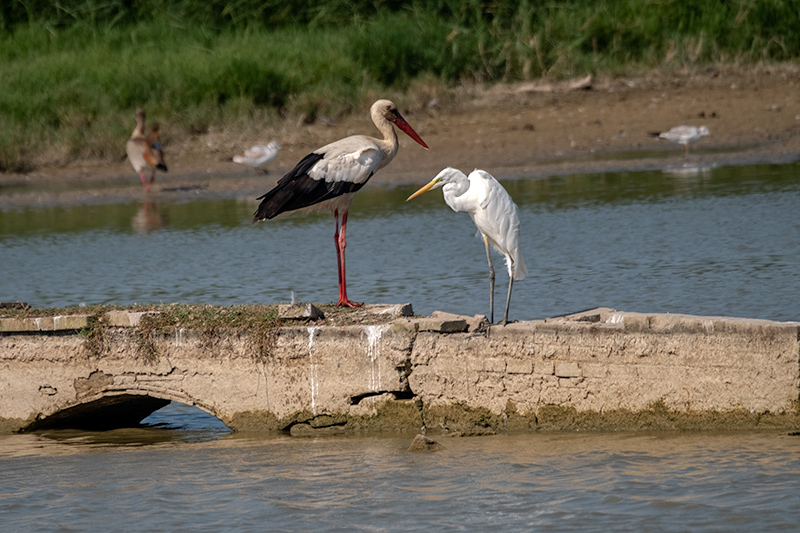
x=129 y=411
x=107 y=412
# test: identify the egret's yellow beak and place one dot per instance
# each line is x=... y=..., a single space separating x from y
x=426 y=188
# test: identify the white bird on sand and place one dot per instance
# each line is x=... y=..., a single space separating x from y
x=493 y=212
x=258 y=155
x=684 y=135
x=329 y=177
x=145 y=152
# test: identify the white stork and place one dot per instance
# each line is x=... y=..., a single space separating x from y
x=684 y=135
x=145 y=152
x=329 y=177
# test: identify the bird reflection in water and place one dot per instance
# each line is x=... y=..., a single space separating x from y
x=148 y=218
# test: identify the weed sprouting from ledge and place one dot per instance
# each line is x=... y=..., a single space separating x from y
x=261 y=322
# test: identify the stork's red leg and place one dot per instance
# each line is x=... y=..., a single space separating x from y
x=341 y=244
x=338 y=251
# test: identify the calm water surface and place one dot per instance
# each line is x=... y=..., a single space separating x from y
x=722 y=241
x=160 y=480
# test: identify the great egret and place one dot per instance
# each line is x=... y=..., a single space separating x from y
x=330 y=176
x=145 y=152
x=258 y=155
x=684 y=135
x=493 y=212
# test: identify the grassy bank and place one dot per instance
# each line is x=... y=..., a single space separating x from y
x=73 y=72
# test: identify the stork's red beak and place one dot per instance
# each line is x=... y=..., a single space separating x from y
x=406 y=127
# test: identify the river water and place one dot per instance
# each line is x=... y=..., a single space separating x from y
x=162 y=480
x=720 y=241
x=707 y=241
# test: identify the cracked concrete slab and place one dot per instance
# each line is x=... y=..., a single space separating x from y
x=597 y=369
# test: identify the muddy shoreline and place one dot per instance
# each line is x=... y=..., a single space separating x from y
x=509 y=130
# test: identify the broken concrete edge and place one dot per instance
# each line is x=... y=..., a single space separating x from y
x=439 y=321
x=474 y=324
x=71 y=322
x=405 y=309
x=132 y=319
x=45 y=323
x=409 y=417
x=421 y=443
x=606 y=317
x=300 y=311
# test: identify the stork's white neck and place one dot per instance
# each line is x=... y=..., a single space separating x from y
x=389 y=144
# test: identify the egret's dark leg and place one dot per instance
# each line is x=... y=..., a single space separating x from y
x=508 y=299
x=491 y=280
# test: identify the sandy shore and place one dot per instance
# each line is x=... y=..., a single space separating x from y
x=509 y=130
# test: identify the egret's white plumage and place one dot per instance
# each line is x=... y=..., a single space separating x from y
x=494 y=213
x=328 y=177
x=258 y=155
x=684 y=135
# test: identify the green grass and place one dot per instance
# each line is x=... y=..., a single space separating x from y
x=74 y=71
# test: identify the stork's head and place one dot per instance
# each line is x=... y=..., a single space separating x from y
x=386 y=111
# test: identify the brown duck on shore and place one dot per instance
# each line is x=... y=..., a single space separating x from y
x=145 y=152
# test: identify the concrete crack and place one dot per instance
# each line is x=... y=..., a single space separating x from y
x=398 y=395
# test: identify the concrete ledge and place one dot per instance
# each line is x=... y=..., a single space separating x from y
x=48 y=323
x=599 y=369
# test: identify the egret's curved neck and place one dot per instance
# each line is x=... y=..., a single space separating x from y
x=457 y=185
x=457 y=188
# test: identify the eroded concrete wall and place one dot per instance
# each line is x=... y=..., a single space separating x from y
x=601 y=369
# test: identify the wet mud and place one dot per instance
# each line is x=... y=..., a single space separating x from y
x=512 y=131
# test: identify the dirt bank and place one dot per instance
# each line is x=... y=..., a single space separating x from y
x=510 y=130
